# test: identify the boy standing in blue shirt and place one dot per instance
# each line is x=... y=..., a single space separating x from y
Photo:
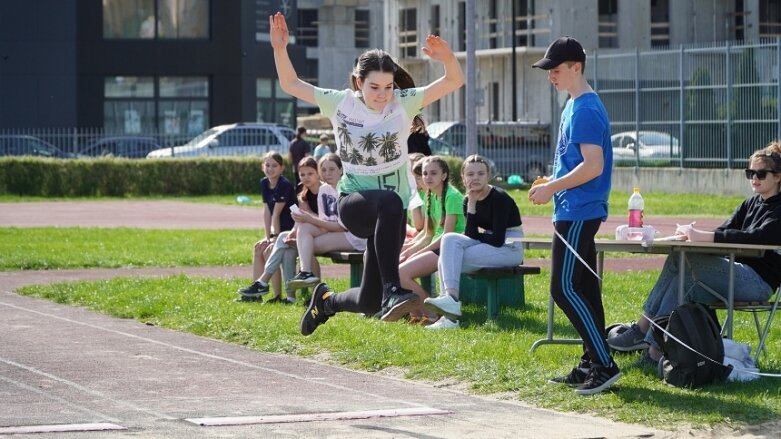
x=579 y=187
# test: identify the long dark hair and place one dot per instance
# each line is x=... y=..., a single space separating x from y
x=307 y=162
x=445 y=170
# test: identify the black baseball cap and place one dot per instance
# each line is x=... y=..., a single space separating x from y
x=561 y=50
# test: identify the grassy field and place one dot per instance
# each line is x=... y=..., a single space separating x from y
x=488 y=357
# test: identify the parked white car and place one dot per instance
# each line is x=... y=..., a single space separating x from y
x=653 y=145
x=237 y=139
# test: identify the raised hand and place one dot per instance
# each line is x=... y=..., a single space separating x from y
x=278 y=31
x=437 y=49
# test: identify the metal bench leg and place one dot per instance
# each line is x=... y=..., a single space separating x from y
x=549 y=339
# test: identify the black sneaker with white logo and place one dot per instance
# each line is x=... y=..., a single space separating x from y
x=254 y=291
x=576 y=377
x=315 y=314
x=599 y=378
x=304 y=279
x=398 y=303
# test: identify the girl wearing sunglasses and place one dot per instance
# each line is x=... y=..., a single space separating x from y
x=756 y=221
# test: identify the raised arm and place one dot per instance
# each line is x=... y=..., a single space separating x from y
x=288 y=78
x=438 y=49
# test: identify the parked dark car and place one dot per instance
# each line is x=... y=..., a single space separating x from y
x=121 y=146
x=30 y=145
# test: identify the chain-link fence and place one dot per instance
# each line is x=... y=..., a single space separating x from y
x=706 y=106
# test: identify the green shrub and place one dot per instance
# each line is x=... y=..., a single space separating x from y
x=120 y=177
x=46 y=177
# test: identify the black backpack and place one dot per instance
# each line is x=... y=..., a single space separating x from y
x=695 y=325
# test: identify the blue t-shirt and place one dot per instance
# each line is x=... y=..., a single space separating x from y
x=282 y=193
x=584 y=120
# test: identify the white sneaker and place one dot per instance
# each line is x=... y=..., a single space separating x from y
x=444 y=323
x=444 y=305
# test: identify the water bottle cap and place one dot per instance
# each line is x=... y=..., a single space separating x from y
x=636 y=189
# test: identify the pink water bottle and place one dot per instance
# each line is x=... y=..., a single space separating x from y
x=636 y=205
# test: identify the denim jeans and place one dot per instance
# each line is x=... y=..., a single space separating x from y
x=285 y=255
x=710 y=270
x=462 y=254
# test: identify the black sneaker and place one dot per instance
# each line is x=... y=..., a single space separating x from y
x=304 y=279
x=599 y=378
x=257 y=299
x=254 y=290
x=576 y=377
x=315 y=314
x=283 y=301
x=398 y=303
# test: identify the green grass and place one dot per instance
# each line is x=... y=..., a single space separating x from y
x=489 y=357
x=46 y=248
x=73 y=247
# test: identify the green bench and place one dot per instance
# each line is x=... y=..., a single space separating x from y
x=493 y=287
x=496 y=287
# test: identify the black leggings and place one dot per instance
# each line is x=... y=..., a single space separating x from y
x=576 y=290
x=378 y=216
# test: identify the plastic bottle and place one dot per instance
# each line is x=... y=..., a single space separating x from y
x=636 y=206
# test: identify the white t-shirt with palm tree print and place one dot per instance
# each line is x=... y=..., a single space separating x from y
x=372 y=144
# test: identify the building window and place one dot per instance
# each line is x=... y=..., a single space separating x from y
x=273 y=104
x=149 y=19
x=435 y=24
x=608 y=23
x=660 y=23
x=174 y=106
x=310 y=71
x=408 y=35
x=769 y=18
x=361 y=28
x=306 y=32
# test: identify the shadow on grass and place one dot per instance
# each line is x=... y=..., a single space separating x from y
x=529 y=318
x=710 y=400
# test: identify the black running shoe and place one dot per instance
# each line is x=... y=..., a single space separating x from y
x=576 y=377
x=315 y=314
x=282 y=300
x=398 y=303
x=599 y=378
x=254 y=290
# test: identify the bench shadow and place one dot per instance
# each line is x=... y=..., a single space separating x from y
x=530 y=318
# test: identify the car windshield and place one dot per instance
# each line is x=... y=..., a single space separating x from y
x=655 y=138
x=197 y=139
x=437 y=128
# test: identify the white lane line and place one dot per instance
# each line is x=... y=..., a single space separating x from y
x=59 y=428
x=63 y=401
x=212 y=356
x=87 y=390
x=312 y=417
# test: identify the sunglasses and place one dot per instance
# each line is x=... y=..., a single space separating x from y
x=761 y=174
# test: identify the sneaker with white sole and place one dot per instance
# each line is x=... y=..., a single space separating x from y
x=576 y=377
x=398 y=303
x=599 y=378
x=633 y=339
x=444 y=305
x=444 y=323
x=254 y=291
x=304 y=279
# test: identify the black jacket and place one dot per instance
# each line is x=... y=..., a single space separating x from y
x=756 y=221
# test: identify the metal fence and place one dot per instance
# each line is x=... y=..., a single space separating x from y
x=708 y=105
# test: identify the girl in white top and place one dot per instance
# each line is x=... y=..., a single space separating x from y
x=322 y=233
x=371 y=127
